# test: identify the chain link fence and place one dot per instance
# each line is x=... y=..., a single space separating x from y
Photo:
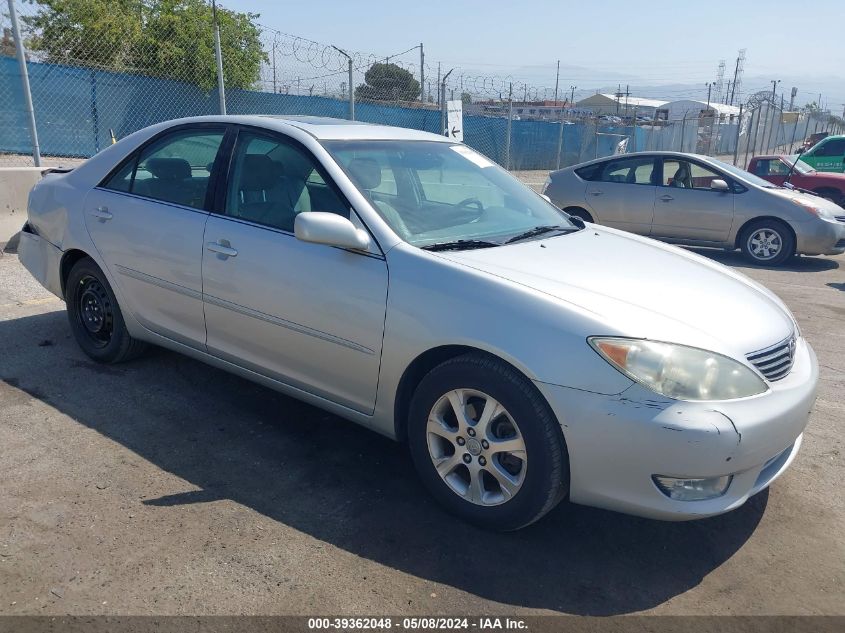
x=87 y=91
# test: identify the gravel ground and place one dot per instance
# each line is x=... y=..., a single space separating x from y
x=163 y=486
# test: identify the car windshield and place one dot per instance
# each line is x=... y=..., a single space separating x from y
x=435 y=194
x=801 y=167
x=746 y=176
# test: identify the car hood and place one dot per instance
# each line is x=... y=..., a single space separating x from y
x=808 y=198
x=638 y=287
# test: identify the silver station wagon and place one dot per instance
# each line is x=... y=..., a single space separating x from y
x=699 y=201
x=407 y=283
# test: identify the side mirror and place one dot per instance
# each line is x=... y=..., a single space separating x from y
x=719 y=185
x=319 y=227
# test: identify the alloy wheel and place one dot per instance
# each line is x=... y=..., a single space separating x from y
x=765 y=244
x=476 y=447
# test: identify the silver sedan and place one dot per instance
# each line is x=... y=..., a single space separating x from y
x=699 y=201
x=405 y=282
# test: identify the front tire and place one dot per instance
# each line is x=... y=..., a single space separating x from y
x=486 y=444
x=767 y=242
x=94 y=315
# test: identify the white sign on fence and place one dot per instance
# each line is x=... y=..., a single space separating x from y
x=455 y=120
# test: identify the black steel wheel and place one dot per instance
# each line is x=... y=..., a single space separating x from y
x=95 y=317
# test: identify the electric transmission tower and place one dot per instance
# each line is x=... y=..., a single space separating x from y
x=736 y=90
x=720 y=80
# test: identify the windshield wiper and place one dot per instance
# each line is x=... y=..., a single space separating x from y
x=540 y=230
x=459 y=245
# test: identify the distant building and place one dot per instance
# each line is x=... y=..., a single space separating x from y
x=539 y=110
x=693 y=109
x=623 y=106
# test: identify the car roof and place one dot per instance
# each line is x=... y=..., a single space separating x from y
x=668 y=154
x=322 y=128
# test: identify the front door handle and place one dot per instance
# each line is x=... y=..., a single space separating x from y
x=222 y=248
x=102 y=213
x=596 y=193
x=666 y=198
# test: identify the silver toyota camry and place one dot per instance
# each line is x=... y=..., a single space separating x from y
x=405 y=282
x=700 y=201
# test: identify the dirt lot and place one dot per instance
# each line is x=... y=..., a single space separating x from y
x=164 y=486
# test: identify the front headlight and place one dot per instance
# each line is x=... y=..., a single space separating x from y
x=678 y=371
x=813 y=209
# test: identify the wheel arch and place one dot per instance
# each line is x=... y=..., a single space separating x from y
x=747 y=223
x=68 y=261
x=420 y=366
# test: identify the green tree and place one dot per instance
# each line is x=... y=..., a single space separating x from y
x=164 y=38
x=388 y=82
x=466 y=98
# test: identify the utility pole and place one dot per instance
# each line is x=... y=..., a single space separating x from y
x=422 y=73
x=709 y=88
x=557 y=81
x=572 y=94
x=438 y=84
x=792 y=95
x=351 y=89
x=221 y=88
x=33 y=132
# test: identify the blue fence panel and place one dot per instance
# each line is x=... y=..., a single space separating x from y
x=76 y=107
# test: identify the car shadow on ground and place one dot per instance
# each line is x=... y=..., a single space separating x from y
x=354 y=489
x=797 y=263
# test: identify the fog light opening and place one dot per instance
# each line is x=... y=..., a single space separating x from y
x=692 y=488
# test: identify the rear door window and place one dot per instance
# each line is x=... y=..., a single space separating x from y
x=175 y=168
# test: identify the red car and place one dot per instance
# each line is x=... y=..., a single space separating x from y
x=775 y=169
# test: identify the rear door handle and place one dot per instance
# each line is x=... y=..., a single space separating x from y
x=102 y=213
x=666 y=198
x=596 y=193
x=222 y=248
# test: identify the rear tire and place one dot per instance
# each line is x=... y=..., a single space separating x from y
x=95 y=318
x=767 y=242
x=486 y=444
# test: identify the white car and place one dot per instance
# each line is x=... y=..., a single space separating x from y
x=405 y=282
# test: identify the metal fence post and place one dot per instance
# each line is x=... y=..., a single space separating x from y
x=218 y=54
x=748 y=140
x=508 y=132
x=738 y=134
x=27 y=93
x=95 y=115
x=634 y=131
x=559 y=138
x=351 y=94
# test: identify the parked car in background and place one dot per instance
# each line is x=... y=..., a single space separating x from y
x=700 y=201
x=407 y=283
x=776 y=168
x=812 y=140
x=827 y=155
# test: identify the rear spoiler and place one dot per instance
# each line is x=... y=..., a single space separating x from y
x=56 y=170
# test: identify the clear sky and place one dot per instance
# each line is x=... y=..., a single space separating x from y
x=644 y=42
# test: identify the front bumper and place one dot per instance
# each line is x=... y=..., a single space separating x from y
x=616 y=443
x=820 y=237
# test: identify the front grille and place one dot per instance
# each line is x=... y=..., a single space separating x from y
x=774 y=362
x=841 y=218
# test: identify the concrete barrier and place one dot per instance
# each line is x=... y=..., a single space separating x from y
x=15 y=183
